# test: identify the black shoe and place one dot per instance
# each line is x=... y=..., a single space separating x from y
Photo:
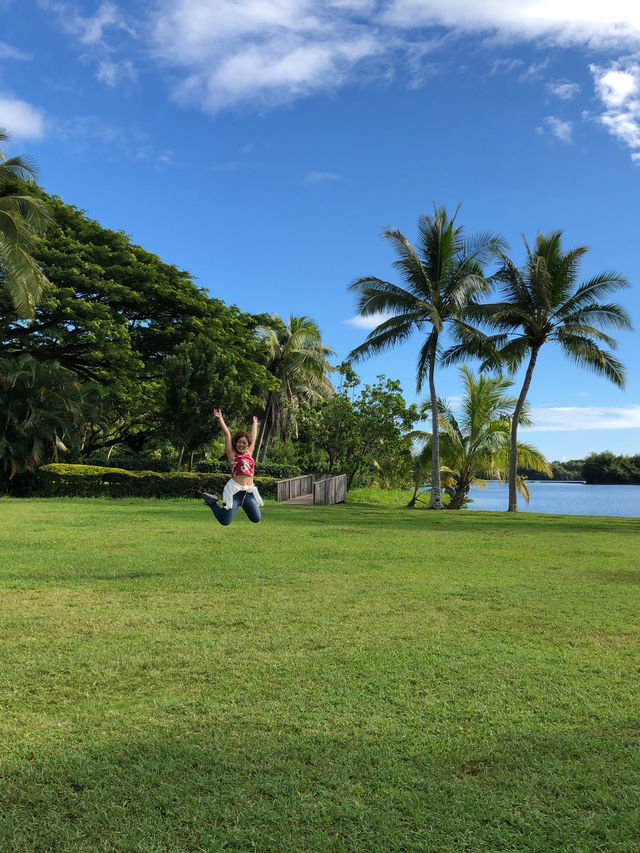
x=209 y=499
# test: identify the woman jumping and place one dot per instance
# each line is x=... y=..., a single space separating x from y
x=239 y=490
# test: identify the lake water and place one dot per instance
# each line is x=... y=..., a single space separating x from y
x=562 y=499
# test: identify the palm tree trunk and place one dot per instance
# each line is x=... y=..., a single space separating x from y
x=267 y=429
x=513 y=451
x=436 y=489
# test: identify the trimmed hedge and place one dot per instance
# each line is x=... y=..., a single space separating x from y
x=92 y=481
x=280 y=472
x=130 y=463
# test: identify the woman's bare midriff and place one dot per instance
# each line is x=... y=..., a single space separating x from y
x=242 y=480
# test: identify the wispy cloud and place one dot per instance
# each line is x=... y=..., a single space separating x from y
x=277 y=50
x=89 y=29
x=221 y=54
x=368 y=322
x=563 y=90
x=561 y=130
x=113 y=73
x=20 y=119
x=130 y=142
x=576 y=418
x=8 y=52
x=321 y=177
x=94 y=33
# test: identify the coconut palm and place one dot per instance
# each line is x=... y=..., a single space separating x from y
x=42 y=406
x=543 y=302
x=475 y=445
x=441 y=276
x=23 y=219
x=298 y=358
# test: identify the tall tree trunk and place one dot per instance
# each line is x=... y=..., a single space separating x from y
x=191 y=461
x=265 y=432
x=513 y=451
x=180 y=455
x=414 y=497
x=267 y=428
x=436 y=489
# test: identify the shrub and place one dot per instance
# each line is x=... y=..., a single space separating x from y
x=280 y=472
x=130 y=463
x=91 y=481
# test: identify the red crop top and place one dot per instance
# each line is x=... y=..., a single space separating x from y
x=243 y=465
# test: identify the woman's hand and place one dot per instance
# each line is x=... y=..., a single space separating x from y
x=255 y=420
x=217 y=414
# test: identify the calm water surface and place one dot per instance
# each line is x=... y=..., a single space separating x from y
x=563 y=499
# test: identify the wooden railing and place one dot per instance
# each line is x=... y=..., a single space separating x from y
x=294 y=487
x=333 y=490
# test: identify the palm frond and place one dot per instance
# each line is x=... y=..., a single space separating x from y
x=593 y=289
x=586 y=353
x=393 y=331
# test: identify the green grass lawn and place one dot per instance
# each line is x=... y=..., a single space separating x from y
x=350 y=678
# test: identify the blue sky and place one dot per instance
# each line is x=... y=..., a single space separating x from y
x=265 y=145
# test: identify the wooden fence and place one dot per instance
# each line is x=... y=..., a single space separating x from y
x=294 y=487
x=330 y=490
x=333 y=490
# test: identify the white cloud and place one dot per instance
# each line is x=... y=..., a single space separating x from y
x=270 y=51
x=20 y=119
x=223 y=53
x=563 y=90
x=561 y=22
x=573 y=418
x=368 y=322
x=615 y=86
x=562 y=130
x=618 y=87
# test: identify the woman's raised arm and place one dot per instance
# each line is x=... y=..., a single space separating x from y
x=228 y=449
x=253 y=435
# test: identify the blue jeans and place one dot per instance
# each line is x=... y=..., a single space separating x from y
x=241 y=499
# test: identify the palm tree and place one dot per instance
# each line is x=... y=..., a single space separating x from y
x=544 y=302
x=42 y=406
x=441 y=278
x=22 y=219
x=298 y=358
x=475 y=446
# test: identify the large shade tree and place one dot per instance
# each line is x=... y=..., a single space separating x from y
x=441 y=277
x=114 y=312
x=298 y=358
x=23 y=219
x=544 y=302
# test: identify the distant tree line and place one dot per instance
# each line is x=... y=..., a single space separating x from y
x=598 y=468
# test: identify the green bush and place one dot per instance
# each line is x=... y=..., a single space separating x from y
x=130 y=463
x=92 y=481
x=280 y=472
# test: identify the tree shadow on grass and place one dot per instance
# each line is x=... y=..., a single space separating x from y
x=402 y=517
x=271 y=791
